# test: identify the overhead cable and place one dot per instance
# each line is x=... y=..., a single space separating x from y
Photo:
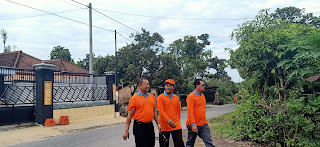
x=114 y=20
x=58 y=15
x=39 y=15
x=177 y=18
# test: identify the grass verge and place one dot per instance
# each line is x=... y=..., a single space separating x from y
x=221 y=126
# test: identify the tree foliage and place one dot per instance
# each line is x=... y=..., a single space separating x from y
x=84 y=63
x=169 y=69
x=140 y=57
x=219 y=66
x=59 y=52
x=4 y=36
x=226 y=89
x=103 y=64
x=264 y=43
x=276 y=53
x=192 y=57
x=184 y=60
x=296 y=15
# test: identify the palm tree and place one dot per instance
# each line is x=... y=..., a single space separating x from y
x=4 y=36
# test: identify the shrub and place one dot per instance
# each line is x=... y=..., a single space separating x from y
x=295 y=123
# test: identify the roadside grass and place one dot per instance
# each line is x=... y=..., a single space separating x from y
x=221 y=126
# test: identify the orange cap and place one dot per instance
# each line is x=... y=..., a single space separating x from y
x=170 y=81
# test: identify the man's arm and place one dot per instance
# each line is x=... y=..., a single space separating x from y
x=156 y=118
x=126 y=131
x=190 y=107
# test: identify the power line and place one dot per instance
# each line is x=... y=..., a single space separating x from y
x=106 y=16
x=95 y=11
x=70 y=3
x=125 y=37
x=177 y=18
x=79 y=3
x=110 y=21
x=39 y=15
x=58 y=15
x=115 y=20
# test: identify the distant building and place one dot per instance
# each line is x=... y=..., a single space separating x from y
x=21 y=60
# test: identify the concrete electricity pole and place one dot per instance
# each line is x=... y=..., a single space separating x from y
x=116 y=70
x=90 y=45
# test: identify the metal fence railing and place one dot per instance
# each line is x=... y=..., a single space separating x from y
x=17 y=75
x=76 y=94
x=17 y=95
x=78 y=78
x=67 y=87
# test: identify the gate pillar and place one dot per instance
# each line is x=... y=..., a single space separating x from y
x=44 y=92
x=110 y=76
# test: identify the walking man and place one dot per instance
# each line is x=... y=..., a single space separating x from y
x=169 y=109
x=196 y=122
x=141 y=109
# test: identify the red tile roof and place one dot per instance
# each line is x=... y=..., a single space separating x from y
x=63 y=65
x=19 y=59
x=8 y=59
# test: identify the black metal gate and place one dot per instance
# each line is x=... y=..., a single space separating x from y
x=17 y=105
x=16 y=115
x=17 y=95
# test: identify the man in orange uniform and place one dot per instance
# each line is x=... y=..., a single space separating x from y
x=196 y=122
x=169 y=109
x=234 y=99
x=142 y=107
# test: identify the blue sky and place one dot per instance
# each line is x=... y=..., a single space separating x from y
x=39 y=34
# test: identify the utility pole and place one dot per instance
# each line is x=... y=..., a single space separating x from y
x=116 y=70
x=116 y=60
x=90 y=45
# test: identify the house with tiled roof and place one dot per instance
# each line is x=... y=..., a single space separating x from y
x=21 y=60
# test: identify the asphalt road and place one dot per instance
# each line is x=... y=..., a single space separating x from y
x=111 y=136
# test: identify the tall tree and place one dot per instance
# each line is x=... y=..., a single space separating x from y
x=190 y=53
x=263 y=43
x=274 y=57
x=84 y=63
x=139 y=58
x=4 y=36
x=296 y=15
x=103 y=64
x=60 y=52
x=169 y=69
x=219 y=65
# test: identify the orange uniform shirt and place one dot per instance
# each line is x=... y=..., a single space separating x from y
x=143 y=106
x=196 y=105
x=169 y=109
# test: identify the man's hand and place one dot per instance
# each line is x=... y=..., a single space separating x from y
x=195 y=129
x=172 y=124
x=126 y=135
x=159 y=128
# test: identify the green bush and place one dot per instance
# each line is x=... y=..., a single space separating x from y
x=295 y=123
